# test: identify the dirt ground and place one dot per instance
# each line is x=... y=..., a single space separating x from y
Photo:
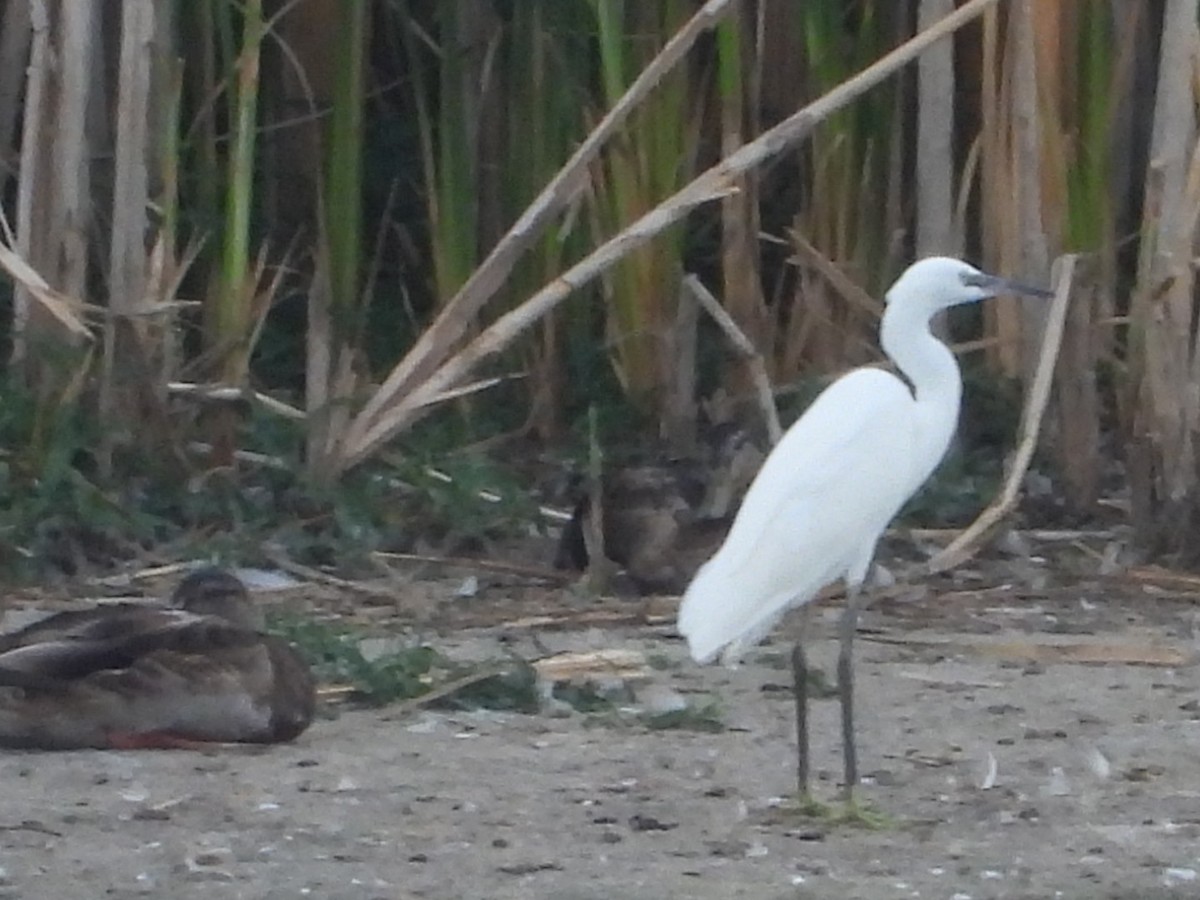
x=1022 y=744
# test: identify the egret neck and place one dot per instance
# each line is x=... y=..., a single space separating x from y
x=932 y=373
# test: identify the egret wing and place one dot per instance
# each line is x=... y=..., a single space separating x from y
x=813 y=514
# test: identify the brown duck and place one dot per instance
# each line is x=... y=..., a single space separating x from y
x=128 y=676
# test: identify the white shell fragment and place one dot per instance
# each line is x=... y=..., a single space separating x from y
x=991 y=769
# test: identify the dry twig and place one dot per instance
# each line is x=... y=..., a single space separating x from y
x=388 y=594
x=449 y=688
x=432 y=348
x=415 y=384
x=484 y=565
x=968 y=543
x=746 y=350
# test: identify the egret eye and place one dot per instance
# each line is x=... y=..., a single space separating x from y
x=975 y=279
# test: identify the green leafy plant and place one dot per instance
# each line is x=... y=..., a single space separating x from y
x=334 y=651
x=55 y=515
x=705 y=718
x=650 y=161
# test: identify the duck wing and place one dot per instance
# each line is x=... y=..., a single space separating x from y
x=101 y=623
x=75 y=646
x=193 y=679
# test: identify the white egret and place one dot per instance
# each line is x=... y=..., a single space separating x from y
x=829 y=488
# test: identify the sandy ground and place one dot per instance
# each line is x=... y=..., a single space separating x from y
x=1095 y=791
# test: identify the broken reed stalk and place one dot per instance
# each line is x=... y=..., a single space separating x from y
x=65 y=309
x=53 y=205
x=16 y=32
x=934 y=157
x=1034 y=252
x=69 y=184
x=599 y=568
x=388 y=413
x=126 y=374
x=458 y=313
x=855 y=297
x=746 y=350
x=968 y=543
x=335 y=299
x=231 y=307
x=679 y=424
x=997 y=192
x=739 y=91
x=1165 y=366
x=656 y=158
x=37 y=87
x=833 y=273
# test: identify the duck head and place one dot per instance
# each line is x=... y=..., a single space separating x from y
x=214 y=592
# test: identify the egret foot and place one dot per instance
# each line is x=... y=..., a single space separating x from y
x=863 y=816
x=849 y=812
x=819 y=685
x=810 y=807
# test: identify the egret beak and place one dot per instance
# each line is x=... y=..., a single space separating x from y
x=996 y=286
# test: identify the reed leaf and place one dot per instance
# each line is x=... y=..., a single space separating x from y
x=846 y=172
x=648 y=164
x=343 y=178
x=738 y=96
x=232 y=305
x=336 y=306
x=445 y=103
x=547 y=67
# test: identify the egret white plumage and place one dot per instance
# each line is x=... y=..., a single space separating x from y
x=830 y=487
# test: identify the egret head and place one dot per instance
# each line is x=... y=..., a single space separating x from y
x=938 y=282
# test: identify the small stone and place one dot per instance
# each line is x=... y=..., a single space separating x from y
x=557 y=709
x=659 y=699
x=209 y=874
x=1098 y=764
x=205 y=864
x=150 y=814
x=638 y=822
x=1058 y=785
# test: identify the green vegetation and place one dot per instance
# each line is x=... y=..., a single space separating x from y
x=705 y=718
x=314 y=201
x=335 y=651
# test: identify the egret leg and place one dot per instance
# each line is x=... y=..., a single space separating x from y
x=849 y=624
x=800 y=689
